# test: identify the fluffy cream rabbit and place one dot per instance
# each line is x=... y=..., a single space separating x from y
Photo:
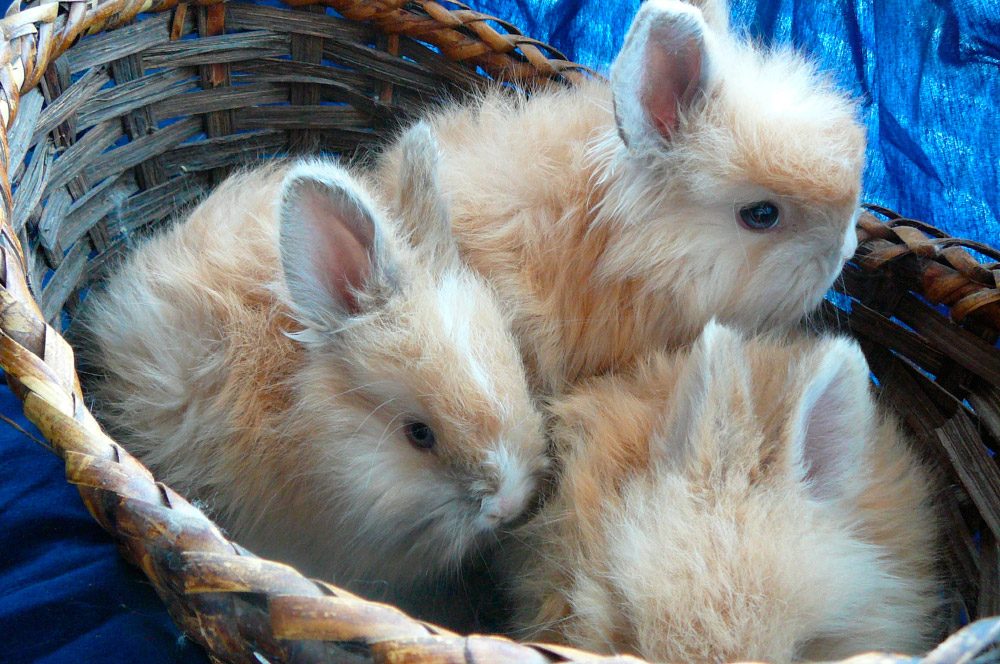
x=741 y=501
x=710 y=178
x=340 y=396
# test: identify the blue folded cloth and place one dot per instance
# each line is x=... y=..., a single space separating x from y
x=65 y=593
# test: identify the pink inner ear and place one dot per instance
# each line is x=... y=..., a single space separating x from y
x=672 y=76
x=824 y=449
x=831 y=447
x=340 y=256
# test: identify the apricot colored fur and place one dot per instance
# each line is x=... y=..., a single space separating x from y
x=290 y=429
x=602 y=252
x=684 y=530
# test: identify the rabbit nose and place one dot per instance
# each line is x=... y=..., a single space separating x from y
x=850 y=246
x=850 y=243
x=499 y=509
x=505 y=505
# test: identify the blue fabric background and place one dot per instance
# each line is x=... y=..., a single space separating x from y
x=928 y=74
x=65 y=593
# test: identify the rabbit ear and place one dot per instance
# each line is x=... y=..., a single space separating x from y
x=715 y=12
x=831 y=419
x=660 y=72
x=420 y=201
x=714 y=386
x=331 y=241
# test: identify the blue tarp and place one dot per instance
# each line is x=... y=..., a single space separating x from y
x=928 y=74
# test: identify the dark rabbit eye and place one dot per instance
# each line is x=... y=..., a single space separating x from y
x=420 y=435
x=760 y=216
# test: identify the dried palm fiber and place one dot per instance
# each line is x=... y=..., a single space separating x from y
x=117 y=112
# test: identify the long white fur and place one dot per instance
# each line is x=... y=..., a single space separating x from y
x=454 y=308
x=284 y=412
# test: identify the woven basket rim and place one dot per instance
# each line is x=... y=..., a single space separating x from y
x=39 y=363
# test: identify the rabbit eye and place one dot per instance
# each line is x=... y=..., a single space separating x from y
x=420 y=435
x=760 y=216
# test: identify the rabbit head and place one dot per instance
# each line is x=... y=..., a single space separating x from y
x=413 y=391
x=733 y=172
x=714 y=510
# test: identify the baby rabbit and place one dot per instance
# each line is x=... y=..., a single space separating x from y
x=710 y=178
x=741 y=501
x=340 y=398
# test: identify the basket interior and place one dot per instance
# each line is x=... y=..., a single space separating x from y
x=130 y=125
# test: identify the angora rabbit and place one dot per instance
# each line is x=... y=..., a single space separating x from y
x=710 y=178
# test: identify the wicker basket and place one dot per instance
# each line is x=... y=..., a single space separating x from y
x=104 y=136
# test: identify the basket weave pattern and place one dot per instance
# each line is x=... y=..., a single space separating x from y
x=104 y=137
